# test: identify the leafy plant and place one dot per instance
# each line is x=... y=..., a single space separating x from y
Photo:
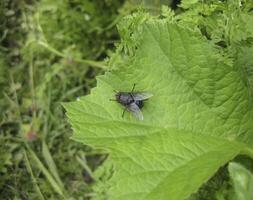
x=200 y=116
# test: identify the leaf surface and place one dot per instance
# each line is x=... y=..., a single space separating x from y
x=199 y=118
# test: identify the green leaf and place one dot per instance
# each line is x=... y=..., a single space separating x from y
x=199 y=118
x=242 y=181
x=245 y=60
x=188 y=3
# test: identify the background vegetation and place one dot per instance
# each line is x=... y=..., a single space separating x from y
x=46 y=48
x=50 y=52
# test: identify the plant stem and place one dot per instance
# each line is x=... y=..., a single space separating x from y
x=83 y=61
x=43 y=169
x=31 y=74
x=29 y=169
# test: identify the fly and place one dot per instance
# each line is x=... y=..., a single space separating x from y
x=132 y=101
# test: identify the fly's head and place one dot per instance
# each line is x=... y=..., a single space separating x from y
x=124 y=98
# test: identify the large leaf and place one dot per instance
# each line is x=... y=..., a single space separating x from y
x=199 y=118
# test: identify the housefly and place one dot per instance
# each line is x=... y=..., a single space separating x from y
x=132 y=101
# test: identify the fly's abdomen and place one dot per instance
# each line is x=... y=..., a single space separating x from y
x=140 y=104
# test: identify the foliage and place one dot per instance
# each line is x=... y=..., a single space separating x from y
x=49 y=54
x=51 y=51
x=242 y=180
x=200 y=116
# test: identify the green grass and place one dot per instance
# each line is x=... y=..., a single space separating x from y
x=50 y=54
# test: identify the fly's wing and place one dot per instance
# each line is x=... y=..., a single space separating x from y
x=139 y=96
x=135 y=110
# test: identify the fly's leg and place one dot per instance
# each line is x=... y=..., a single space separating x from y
x=123 y=112
x=132 y=91
x=114 y=99
x=133 y=87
